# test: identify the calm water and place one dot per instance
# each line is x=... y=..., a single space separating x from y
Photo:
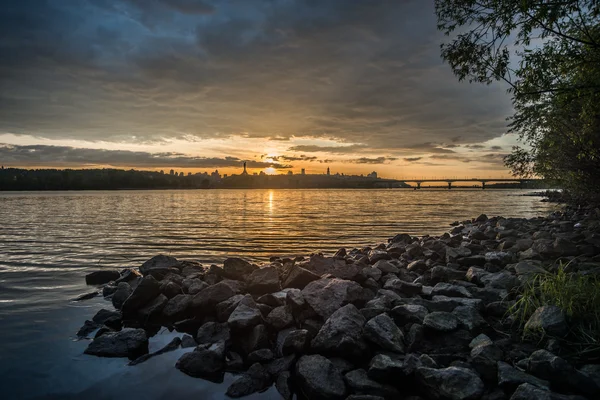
x=50 y=240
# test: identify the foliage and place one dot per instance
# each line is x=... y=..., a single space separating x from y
x=549 y=55
x=577 y=295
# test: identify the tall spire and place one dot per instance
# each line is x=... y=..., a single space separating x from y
x=245 y=172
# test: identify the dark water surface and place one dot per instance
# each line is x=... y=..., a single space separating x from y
x=50 y=240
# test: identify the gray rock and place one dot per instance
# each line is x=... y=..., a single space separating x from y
x=318 y=378
x=500 y=280
x=213 y=332
x=359 y=382
x=386 y=267
x=281 y=317
x=296 y=342
x=264 y=280
x=101 y=277
x=194 y=286
x=244 y=317
x=123 y=291
x=188 y=341
x=469 y=318
x=260 y=356
x=159 y=263
x=224 y=309
x=560 y=373
x=527 y=391
x=453 y=253
x=480 y=340
x=509 y=378
x=325 y=296
x=256 y=338
x=103 y=315
x=400 y=286
x=214 y=294
x=383 y=332
x=299 y=277
x=128 y=342
x=237 y=269
x=295 y=299
x=170 y=289
x=444 y=274
x=275 y=299
x=342 y=334
x=549 y=320
x=153 y=310
x=281 y=364
x=147 y=290
x=383 y=368
x=254 y=380
x=283 y=386
x=450 y=383
x=440 y=321
x=447 y=289
x=485 y=359
x=418 y=266
x=176 y=308
x=592 y=371
x=409 y=314
x=206 y=361
x=87 y=328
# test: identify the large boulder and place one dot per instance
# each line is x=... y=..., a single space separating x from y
x=382 y=331
x=318 y=378
x=322 y=265
x=147 y=290
x=341 y=334
x=160 y=263
x=325 y=296
x=128 y=342
x=281 y=317
x=237 y=269
x=264 y=280
x=452 y=383
x=101 y=277
x=527 y=391
x=549 y=320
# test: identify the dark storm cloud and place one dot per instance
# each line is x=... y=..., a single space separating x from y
x=65 y=156
x=412 y=159
x=328 y=149
x=130 y=70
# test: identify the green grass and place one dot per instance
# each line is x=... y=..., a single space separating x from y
x=579 y=298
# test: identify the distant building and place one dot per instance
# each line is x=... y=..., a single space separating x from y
x=216 y=175
x=162 y=172
x=328 y=172
x=372 y=175
x=224 y=175
x=245 y=172
x=181 y=174
x=290 y=173
x=303 y=171
x=172 y=172
x=189 y=174
x=262 y=173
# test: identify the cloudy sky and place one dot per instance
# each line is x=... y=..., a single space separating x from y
x=354 y=85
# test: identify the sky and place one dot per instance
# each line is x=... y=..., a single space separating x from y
x=198 y=85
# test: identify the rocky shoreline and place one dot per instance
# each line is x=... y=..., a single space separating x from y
x=414 y=318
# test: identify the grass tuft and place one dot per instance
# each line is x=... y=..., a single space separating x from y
x=579 y=298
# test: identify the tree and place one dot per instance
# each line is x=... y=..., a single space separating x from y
x=548 y=53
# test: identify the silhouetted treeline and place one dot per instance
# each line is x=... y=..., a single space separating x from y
x=95 y=179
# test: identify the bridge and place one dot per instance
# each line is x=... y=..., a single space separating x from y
x=450 y=181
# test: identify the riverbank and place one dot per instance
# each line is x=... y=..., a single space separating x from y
x=422 y=316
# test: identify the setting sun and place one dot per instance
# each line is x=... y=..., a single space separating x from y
x=270 y=171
